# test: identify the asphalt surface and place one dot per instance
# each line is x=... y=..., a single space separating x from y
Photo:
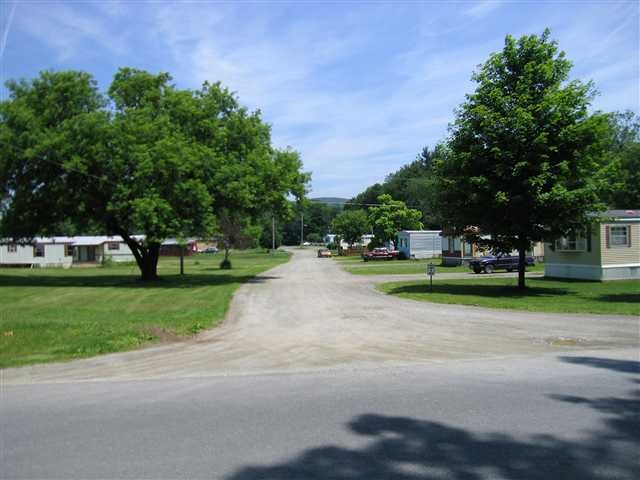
x=544 y=417
x=310 y=315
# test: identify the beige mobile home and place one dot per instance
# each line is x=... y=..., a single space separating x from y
x=608 y=250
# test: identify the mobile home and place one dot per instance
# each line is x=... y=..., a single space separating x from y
x=420 y=243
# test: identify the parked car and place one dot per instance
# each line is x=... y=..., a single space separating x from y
x=489 y=263
x=381 y=253
x=306 y=244
x=210 y=250
x=324 y=253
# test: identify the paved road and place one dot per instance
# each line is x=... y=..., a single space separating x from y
x=544 y=417
x=309 y=314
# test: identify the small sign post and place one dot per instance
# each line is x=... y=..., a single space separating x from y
x=431 y=270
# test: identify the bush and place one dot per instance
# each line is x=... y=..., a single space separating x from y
x=402 y=256
x=225 y=264
x=332 y=246
x=107 y=261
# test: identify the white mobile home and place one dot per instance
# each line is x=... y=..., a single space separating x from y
x=65 y=251
x=420 y=243
x=40 y=252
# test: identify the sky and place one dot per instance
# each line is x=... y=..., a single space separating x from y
x=357 y=87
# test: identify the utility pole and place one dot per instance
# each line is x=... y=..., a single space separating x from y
x=273 y=234
x=301 y=228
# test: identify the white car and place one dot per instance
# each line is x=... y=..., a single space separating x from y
x=306 y=244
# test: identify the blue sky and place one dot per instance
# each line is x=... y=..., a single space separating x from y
x=357 y=87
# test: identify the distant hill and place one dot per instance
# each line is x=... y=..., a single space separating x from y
x=330 y=200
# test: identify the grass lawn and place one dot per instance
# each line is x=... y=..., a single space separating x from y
x=357 y=266
x=541 y=295
x=54 y=314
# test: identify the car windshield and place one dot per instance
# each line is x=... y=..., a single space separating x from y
x=487 y=257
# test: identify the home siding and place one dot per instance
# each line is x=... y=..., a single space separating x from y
x=54 y=256
x=124 y=254
x=621 y=255
x=22 y=256
x=551 y=255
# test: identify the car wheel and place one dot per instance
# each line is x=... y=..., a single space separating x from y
x=488 y=269
x=477 y=270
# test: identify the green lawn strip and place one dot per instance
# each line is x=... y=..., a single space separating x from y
x=400 y=267
x=541 y=295
x=56 y=314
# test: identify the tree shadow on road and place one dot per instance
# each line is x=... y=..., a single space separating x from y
x=404 y=448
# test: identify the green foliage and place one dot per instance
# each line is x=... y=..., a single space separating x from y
x=225 y=264
x=317 y=218
x=351 y=225
x=164 y=162
x=620 y=173
x=411 y=184
x=314 y=237
x=523 y=149
x=391 y=217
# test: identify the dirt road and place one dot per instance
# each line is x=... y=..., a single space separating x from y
x=309 y=314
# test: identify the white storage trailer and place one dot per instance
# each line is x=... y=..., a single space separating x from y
x=420 y=243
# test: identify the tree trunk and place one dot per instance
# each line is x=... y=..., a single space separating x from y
x=521 y=267
x=149 y=262
x=146 y=257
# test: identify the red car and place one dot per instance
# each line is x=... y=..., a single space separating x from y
x=380 y=254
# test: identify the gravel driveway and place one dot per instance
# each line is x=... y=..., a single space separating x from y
x=309 y=314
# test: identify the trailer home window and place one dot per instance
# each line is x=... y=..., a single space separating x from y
x=12 y=248
x=619 y=236
x=113 y=246
x=38 y=250
x=571 y=243
x=69 y=250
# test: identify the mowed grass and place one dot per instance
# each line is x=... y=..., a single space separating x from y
x=541 y=294
x=357 y=266
x=55 y=314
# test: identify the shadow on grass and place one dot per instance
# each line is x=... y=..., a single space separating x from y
x=129 y=281
x=490 y=291
x=621 y=297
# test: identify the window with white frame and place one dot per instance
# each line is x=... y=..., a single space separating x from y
x=571 y=243
x=113 y=246
x=619 y=236
x=38 y=250
x=12 y=248
x=69 y=250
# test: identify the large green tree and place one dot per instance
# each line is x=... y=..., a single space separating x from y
x=390 y=217
x=148 y=159
x=350 y=225
x=620 y=187
x=523 y=150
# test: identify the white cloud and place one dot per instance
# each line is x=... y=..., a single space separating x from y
x=483 y=8
x=67 y=31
